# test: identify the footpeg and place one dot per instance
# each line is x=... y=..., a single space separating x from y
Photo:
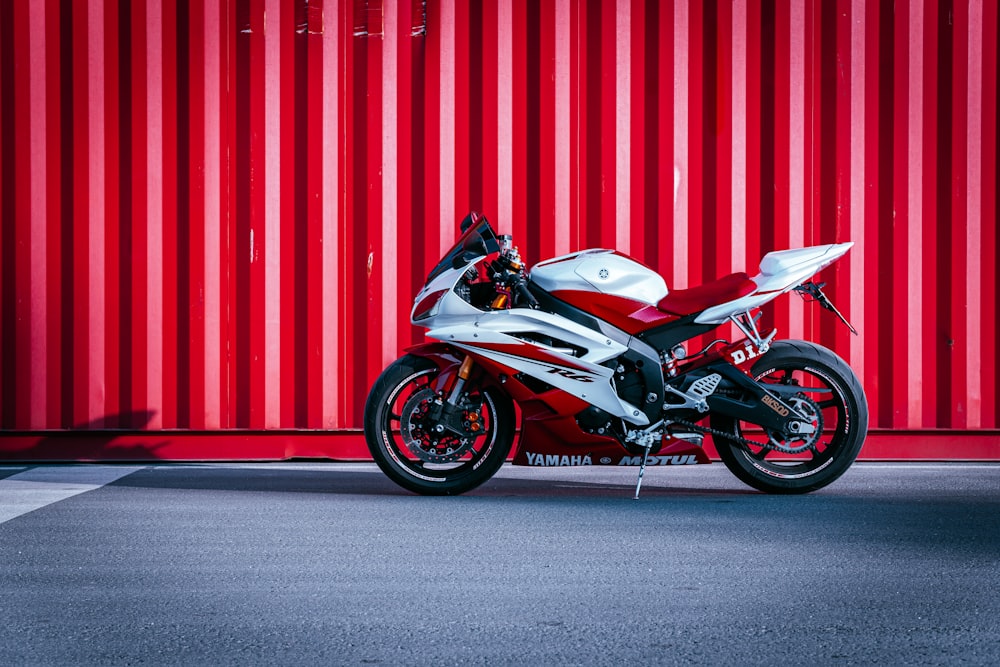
x=694 y=397
x=706 y=386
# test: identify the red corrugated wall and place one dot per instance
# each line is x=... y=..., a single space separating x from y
x=215 y=214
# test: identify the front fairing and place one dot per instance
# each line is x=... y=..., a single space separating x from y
x=437 y=299
x=505 y=336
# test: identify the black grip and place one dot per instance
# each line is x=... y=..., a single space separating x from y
x=524 y=295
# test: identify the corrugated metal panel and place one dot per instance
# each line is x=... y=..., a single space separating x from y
x=215 y=214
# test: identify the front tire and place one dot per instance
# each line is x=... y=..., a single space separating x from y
x=830 y=392
x=405 y=445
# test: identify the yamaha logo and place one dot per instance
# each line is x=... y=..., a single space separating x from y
x=604 y=274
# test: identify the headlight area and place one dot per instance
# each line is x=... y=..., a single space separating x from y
x=429 y=305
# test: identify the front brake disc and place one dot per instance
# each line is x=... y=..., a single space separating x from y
x=422 y=436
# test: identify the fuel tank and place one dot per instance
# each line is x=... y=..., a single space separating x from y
x=601 y=271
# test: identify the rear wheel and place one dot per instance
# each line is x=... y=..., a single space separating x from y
x=416 y=450
x=820 y=385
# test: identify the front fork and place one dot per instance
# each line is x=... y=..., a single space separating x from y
x=443 y=412
x=463 y=376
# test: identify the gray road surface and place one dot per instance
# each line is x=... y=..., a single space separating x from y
x=332 y=564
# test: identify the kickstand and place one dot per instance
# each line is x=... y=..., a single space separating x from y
x=642 y=469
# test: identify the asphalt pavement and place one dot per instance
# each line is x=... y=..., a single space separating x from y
x=329 y=564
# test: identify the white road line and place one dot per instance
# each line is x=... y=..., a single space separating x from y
x=38 y=487
x=319 y=466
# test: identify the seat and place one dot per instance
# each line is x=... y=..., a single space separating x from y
x=693 y=300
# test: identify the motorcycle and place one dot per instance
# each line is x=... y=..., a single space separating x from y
x=592 y=349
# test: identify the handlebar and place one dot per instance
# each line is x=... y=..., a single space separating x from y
x=507 y=272
x=524 y=294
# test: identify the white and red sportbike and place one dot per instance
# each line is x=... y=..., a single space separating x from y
x=591 y=348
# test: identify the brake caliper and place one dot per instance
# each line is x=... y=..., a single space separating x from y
x=432 y=440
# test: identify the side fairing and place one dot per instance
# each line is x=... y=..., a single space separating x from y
x=548 y=347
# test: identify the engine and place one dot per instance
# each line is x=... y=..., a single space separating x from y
x=630 y=386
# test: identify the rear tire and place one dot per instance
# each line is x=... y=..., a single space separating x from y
x=831 y=392
x=411 y=453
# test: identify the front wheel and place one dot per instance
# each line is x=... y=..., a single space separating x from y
x=820 y=385
x=413 y=448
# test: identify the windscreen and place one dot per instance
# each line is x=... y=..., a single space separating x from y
x=479 y=240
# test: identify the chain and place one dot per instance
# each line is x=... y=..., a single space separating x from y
x=735 y=438
x=713 y=432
